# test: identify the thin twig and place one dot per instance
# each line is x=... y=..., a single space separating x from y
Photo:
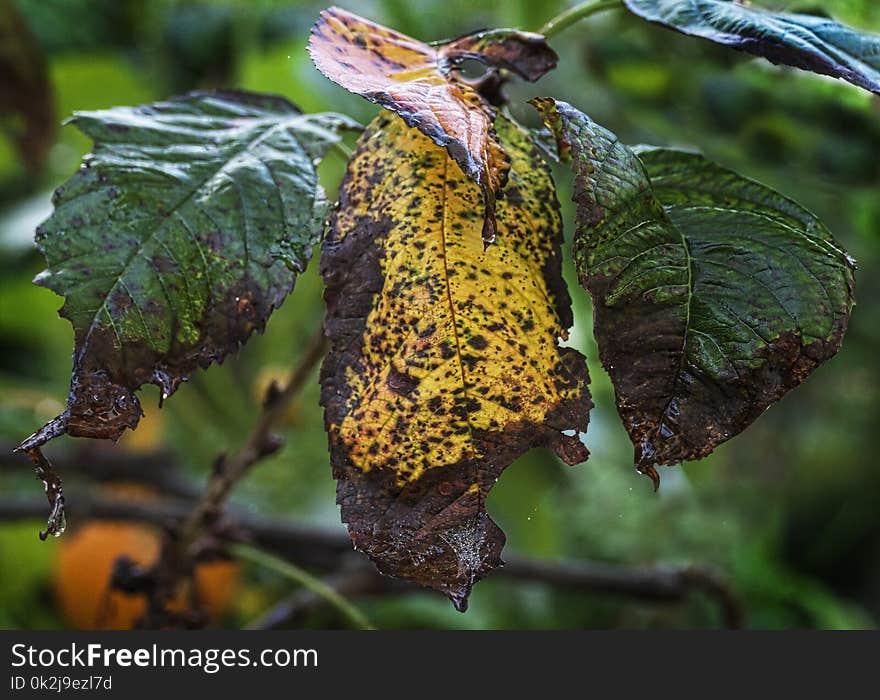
x=311 y=546
x=180 y=550
x=324 y=549
x=658 y=584
x=261 y=443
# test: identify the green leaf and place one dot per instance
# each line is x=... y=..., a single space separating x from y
x=809 y=42
x=713 y=295
x=178 y=237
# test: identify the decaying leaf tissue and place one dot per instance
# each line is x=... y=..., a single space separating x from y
x=447 y=317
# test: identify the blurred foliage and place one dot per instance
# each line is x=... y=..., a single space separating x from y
x=788 y=510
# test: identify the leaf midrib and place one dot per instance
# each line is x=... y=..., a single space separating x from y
x=464 y=382
x=687 y=324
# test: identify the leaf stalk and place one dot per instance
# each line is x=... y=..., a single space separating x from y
x=575 y=14
x=304 y=578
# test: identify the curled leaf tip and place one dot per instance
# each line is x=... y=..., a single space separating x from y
x=421 y=83
x=650 y=471
x=548 y=109
x=460 y=602
x=57 y=520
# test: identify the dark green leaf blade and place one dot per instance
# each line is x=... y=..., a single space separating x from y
x=181 y=233
x=808 y=42
x=713 y=295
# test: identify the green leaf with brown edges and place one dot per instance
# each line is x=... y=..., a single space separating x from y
x=445 y=362
x=816 y=44
x=181 y=233
x=713 y=295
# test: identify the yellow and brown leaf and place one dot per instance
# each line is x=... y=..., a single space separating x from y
x=418 y=81
x=445 y=362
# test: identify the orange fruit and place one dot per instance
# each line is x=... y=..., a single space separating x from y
x=85 y=561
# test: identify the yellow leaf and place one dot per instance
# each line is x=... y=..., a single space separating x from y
x=445 y=362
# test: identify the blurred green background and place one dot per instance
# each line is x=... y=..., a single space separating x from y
x=788 y=511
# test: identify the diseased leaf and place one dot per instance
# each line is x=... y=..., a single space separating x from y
x=418 y=81
x=180 y=234
x=816 y=44
x=25 y=92
x=444 y=363
x=713 y=295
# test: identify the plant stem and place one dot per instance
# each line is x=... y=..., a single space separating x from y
x=179 y=554
x=575 y=14
x=261 y=443
x=305 y=579
x=343 y=150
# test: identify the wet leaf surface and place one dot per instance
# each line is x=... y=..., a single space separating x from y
x=418 y=81
x=813 y=43
x=713 y=295
x=25 y=92
x=444 y=363
x=179 y=235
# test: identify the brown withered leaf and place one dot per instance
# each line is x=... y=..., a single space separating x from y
x=445 y=362
x=419 y=82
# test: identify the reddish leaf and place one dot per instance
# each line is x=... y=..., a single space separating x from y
x=419 y=82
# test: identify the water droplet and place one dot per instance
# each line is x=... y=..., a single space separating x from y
x=460 y=602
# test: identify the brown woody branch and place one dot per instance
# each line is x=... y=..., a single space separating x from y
x=196 y=534
x=158 y=469
x=328 y=550
x=261 y=443
x=197 y=525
